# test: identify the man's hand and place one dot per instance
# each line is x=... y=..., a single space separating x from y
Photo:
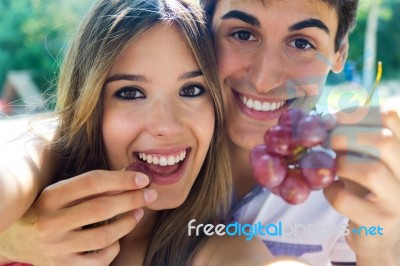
x=51 y=233
x=368 y=146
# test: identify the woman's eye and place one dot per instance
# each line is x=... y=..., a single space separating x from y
x=243 y=35
x=301 y=44
x=129 y=94
x=192 y=91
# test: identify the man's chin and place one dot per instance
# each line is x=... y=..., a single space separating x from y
x=246 y=141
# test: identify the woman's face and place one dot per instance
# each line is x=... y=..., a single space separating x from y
x=157 y=111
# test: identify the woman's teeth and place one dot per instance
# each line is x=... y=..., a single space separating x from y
x=163 y=160
x=261 y=106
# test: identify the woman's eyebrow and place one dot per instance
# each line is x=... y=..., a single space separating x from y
x=190 y=74
x=141 y=78
x=243 y=16
x=309 y=23
x=130 y=77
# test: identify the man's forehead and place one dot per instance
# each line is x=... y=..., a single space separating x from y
x=242 y=3
x=259 y=13
x=251 y=3
x=223 y=6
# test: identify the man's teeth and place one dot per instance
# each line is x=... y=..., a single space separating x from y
x=261 y=106
x=163 y=160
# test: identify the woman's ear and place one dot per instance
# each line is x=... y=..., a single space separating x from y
x=341 y=56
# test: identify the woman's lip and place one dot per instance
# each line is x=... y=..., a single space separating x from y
x=168 y=178
x=260 y=115
x=175 y=176
x=164 y=151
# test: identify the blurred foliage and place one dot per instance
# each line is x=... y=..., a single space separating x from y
x=34 y=33
x=388 y=37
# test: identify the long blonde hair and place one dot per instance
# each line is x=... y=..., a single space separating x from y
x=108 y=28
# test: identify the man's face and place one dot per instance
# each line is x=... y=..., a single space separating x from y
x=272 y=56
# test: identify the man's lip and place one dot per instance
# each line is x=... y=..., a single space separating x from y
x=260 y=98
x=261 y=115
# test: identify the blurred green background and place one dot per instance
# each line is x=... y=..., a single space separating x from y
x=35 y=33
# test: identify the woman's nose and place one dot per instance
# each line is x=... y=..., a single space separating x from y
x=165 y=119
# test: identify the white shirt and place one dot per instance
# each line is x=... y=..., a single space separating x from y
x=313 y=230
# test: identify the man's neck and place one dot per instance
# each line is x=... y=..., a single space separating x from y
x=241 y=170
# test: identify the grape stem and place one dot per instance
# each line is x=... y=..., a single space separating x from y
x=377 y=80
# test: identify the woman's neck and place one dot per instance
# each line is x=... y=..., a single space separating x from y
x=241 y=170
x=144 y=227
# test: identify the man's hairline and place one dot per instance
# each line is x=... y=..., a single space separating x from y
x=211 y=16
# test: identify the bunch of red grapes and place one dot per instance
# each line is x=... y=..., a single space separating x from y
x=291 y=162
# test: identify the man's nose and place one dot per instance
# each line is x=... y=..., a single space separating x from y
x=267 y=70
x=165 y=119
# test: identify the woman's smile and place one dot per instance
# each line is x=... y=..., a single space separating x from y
x=164 y=167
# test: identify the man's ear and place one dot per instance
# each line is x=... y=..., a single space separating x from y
x=341 y=56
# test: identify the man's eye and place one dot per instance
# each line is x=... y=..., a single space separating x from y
x=129 y=94
x=301 y=44
x=192 y=91
x=243 y=35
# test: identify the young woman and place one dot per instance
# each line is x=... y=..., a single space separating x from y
x=138 y=90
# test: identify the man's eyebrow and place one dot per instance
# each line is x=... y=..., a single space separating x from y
x=309 y=23
x=243 y=16
x=190 y=74
x=130 y=77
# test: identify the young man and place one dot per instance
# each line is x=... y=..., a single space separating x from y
x=274 y=54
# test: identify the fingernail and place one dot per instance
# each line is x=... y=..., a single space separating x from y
x=141 y=180
x=150 y=195
x=138 y=214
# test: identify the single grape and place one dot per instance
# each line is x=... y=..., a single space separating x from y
x=311 y=131
x=291 y=117
x=318 y=168
x=141 y=167
x=269 y=170
x=257 y=152
x=294 y=189
x=280 y=140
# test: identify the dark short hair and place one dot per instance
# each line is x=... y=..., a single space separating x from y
x=346 y=10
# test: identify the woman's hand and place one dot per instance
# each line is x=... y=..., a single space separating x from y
x=367 y=142
x=51 y=233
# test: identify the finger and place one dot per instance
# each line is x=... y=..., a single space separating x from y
x=357 y=116
x=369 y=173
x=345 y=202
x=391 y=120
x=102 y=257
x=102 y=208
x=361 y=115
x=372 y=116
x=103 y=236
x=88 y=184
x=379 y=143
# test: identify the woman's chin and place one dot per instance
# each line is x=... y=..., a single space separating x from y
x=161 y=204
